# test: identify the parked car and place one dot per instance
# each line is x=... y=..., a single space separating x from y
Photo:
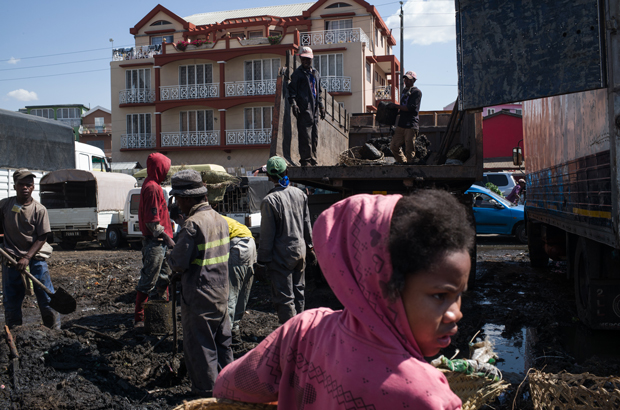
x=505 y=181
x=496 y=215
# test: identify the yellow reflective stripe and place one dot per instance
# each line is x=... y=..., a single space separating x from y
x=213 y=244
x=592 y=214
x=211 y=261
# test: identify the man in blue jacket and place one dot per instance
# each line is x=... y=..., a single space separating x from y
x=306 y=102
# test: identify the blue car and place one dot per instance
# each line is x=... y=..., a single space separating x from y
x=495 y=215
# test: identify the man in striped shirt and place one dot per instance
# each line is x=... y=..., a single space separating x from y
x=201 y=256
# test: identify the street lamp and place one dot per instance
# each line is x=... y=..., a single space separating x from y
x=112 y=41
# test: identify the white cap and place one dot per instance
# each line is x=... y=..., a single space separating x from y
x=306 y=52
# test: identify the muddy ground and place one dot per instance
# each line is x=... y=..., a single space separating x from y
x=120 y=368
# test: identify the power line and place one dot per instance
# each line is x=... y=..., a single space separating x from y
x=53 y=75
x=59 y=54
x=444 y=25
x=48 y=65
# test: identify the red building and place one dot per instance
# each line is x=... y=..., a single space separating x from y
x=501 y=132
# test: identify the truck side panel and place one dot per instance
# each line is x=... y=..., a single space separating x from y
x=516 y=51
x=568 y=159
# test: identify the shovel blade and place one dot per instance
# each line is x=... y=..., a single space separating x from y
x=62 y=302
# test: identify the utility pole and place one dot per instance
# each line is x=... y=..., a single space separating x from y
x=402 y=48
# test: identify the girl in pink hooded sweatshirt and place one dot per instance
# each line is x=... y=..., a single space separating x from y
x=399 y=265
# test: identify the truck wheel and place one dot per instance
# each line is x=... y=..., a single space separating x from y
x=113 y=238
x=586 y=267
x=68 y=244
x=536 y=245
x=520 y=232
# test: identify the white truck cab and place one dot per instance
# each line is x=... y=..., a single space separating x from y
x=90 y=158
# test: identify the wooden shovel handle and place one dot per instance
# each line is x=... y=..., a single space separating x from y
x=32 y=278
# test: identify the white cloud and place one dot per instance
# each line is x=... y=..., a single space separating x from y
x=13 y=60
x=426 y=22
x=23 y=95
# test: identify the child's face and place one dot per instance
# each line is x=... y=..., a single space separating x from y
x=432 y=300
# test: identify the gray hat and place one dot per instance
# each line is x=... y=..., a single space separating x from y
x=21 y=174
x=187 y=182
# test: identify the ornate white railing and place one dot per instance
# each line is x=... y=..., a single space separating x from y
x=248 y=137
x=345 y=35
x=138 y=141
x=190 y=139
x=189 y=92
x=383 y=93
x=241 y=88
x=132 y=96
x=133 y=53
x=335 y=84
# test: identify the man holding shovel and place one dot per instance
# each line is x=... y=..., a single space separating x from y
x=26 y=224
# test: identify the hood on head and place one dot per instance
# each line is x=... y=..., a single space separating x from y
x=157 y=166
x=351 y=242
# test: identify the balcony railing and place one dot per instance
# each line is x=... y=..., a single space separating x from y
x=190 y=139
x=133 y=53
x=95 y=129
x=336 y=84
x=346 y=35
x=189 y=92
x=383 y=93
x=133 y=96
x=138 y=141
x=243 y=88
x=248 y=137
x=71 y=122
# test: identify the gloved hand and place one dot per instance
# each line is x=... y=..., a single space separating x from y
x=322 y=112
x=260 y=271
x=311 y=257
x=295 y=109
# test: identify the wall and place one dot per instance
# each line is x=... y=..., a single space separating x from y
x=500 y=134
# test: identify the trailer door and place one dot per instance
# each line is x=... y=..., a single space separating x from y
x=516 y=50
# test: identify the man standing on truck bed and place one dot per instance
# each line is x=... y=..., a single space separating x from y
x=285 y=233
x=408 y=127
x=157 y=230
x=26 y=224
x=306 y=100
x=201 y=256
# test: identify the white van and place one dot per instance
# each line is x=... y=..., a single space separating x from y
x=90 y=158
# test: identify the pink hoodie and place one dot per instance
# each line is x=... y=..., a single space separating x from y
x=363 y=357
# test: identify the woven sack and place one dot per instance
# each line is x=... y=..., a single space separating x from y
x=352 y=156
x=574 y=391
x=385 y=115
x=216 y=183
x=223 y=404
x=474 y=391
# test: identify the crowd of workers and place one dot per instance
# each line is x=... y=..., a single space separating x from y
x=399 y=266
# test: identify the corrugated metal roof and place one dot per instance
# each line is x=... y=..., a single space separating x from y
x=287 y=10
x=118 y=166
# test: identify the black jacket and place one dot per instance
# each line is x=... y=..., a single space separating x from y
x=411 y=98
x=299 y=91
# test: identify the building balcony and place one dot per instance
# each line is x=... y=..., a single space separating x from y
x=189 y=92
x=190 y=139
x=245 y=88
x=347 y=35
x=336 y=84
x=129 y=141
x=135 y=96
x=248 y=136
x=134 y=53
x=95 y=129
x=383 y=93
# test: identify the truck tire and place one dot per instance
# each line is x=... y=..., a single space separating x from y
x=520 y=232
x=586 y=266
x=536 y=245
x=113 y=238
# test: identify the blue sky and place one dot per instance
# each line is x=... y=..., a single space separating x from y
x=59 y=52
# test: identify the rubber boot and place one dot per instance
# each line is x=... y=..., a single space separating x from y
x=51 y=320
x=141 y=299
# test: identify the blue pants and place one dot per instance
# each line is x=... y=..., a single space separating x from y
x=14 y=293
